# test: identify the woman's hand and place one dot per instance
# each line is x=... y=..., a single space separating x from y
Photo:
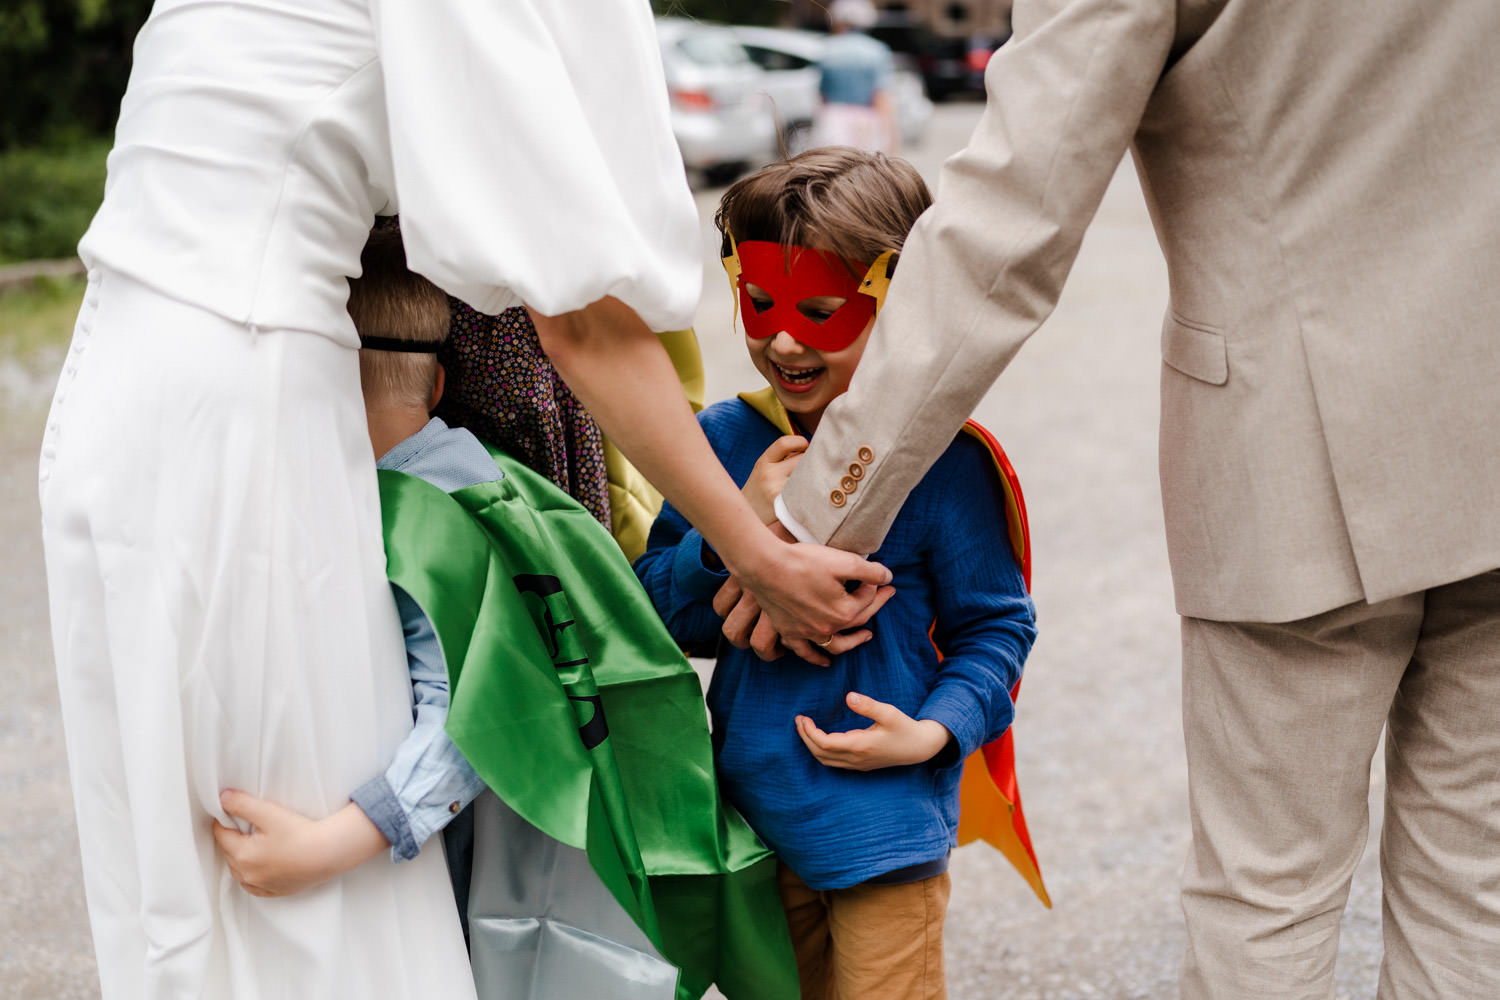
x=745 y=627
x=770 y=474
x=804 y=591
x=894 y=738
x=285 y=852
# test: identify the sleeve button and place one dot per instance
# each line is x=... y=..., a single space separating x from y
x=849 y=483
x=866 y=454
x=856 y=470
x=837 y=498
x=454 y=807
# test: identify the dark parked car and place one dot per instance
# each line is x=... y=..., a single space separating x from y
x=949 y=63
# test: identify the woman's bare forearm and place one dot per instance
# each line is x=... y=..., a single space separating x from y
x=619 y=370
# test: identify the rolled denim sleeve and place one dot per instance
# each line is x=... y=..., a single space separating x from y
x=429 y=781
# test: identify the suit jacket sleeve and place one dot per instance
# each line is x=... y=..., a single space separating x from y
x=985 y=265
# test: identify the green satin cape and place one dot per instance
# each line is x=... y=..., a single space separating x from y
x=572 y=702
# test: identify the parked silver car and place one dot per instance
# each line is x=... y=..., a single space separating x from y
x=790 y=60
x=720 y=114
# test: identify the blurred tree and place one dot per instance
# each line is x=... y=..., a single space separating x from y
x=63 y=67
x=725 y=11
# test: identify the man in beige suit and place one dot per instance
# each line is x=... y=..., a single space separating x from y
x=1325 y=182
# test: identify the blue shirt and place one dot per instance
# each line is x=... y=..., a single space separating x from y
x=429 y=781
x=952 y=564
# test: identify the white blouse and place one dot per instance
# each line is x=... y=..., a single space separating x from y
x=525 y=144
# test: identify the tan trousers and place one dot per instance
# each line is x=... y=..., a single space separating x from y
x=1281 y=723
x=868 y=942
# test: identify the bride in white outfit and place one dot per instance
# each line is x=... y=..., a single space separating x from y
x=220 y=611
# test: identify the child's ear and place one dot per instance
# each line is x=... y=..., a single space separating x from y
x=438 y=378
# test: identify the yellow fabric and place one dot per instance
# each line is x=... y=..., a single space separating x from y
x=764 y=402
x=877 y=279
x=634 y=502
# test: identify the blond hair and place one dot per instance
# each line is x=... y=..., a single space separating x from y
x=391 y=301
x=855 y=204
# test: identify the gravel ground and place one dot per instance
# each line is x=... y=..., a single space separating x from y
x=1099 y=738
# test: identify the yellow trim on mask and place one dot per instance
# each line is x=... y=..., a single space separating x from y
x=877 y=279
x=732 y=268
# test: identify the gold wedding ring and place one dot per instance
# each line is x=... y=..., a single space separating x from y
x=825 y=643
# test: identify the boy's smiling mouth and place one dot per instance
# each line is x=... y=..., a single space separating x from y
x=796 y=379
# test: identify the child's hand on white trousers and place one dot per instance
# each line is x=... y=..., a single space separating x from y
x=285 y=852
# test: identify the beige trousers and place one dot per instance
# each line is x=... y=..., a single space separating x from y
x=868 y=942
x=1281 y=722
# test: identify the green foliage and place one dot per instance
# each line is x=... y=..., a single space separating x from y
x=23 y=28
x=63 y=66
x=47 y=198
x=725 y=11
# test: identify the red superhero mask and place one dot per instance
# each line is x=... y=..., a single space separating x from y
x=792 y=276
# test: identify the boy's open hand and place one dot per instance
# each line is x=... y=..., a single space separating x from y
x=285 y=852
x=770 y=474
x=895 y=738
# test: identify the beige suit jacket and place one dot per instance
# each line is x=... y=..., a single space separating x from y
x=1324 y=178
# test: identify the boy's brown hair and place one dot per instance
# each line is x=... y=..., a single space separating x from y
x=837 y=198
x=391 y=301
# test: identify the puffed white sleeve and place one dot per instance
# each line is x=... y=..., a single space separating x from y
x=533 y=155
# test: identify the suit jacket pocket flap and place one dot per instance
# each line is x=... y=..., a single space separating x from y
x=1195 y=350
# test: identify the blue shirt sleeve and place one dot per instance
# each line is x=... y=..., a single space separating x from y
x=680 y=582
x=986 y=622
x=678 y=569
x=429 y=781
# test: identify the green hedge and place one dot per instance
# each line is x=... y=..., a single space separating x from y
x=47 y=197
x=36 y=320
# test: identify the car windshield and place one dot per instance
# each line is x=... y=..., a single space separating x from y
x=712 y=49
x=774 y=59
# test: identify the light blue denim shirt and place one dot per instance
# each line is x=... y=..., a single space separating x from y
x=854 y=68
x=429 y=782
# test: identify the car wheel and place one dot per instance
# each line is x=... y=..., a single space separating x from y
x=724 y=173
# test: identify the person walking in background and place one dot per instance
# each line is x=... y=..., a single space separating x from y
x=210 y=517
x=854 y=75
x=1321 y=178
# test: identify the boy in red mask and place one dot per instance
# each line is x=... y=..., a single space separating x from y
x=849 y=767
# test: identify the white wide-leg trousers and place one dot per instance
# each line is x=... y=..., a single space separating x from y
x=221 y=620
